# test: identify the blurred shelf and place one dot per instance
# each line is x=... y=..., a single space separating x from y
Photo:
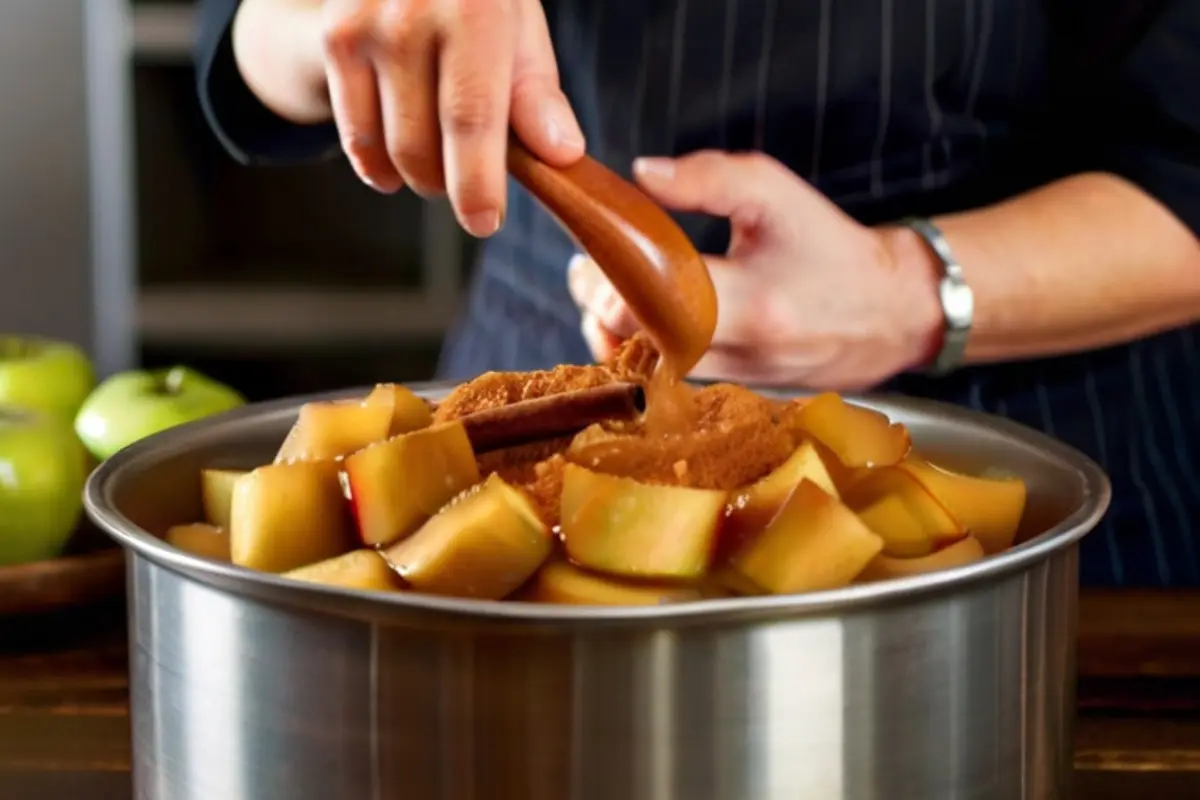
x=215 y=316
x=163 y=31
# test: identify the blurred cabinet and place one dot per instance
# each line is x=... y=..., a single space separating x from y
x=281 y=279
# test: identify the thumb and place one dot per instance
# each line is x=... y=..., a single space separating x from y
x=540 y=114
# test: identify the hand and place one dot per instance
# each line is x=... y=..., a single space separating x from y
x=806 y=295
x=423 y=93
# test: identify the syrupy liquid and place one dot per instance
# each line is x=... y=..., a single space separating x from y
x=669 y=407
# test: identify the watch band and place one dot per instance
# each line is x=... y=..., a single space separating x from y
x=957 y=299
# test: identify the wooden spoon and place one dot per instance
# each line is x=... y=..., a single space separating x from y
x=647 y=257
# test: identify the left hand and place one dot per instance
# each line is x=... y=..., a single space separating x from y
x=806 y=296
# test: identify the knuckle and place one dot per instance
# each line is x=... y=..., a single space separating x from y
x=471 y=110
x=343 y=35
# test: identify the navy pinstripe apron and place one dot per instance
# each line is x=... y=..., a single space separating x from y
x=889 y=107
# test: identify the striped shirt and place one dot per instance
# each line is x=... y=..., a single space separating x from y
x=889 y=107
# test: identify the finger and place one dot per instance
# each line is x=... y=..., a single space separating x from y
x=406 y=65
x=354 y=98
x=710 y=181
x=594 y=294
x=541 y=116
x=601 y=341
x=747 y=310
x=474 y=88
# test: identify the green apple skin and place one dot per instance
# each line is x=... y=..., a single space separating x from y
x=130 y=406
x=45 y=375
x=42 y=472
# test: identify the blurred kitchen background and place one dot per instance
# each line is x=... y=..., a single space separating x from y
x=125 y=227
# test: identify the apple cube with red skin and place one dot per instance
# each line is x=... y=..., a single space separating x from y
x=565 y=584
x=410 y=412
x=989 y=508
x=813 y=543
x=200 y=539
x=909 y=519
x=484 y=545
x=335 y=428
x=397 y=484
x=358 y=569
x=216 y=492
x=752 y=508
x=286 y=516
x=619 y=526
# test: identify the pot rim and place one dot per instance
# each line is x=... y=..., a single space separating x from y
x=98 y=500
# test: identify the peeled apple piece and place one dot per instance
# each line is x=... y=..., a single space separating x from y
x=894 y=504
x=336 y=428
x=397 y=484
x=564 y=584
x=813 y=543
x=290 y=515
x=410 y=412
x=751 y=508
x=857 y=436
x=358 y=569
x=622 y=527
x=484 y=545
x=200 y=539
x=882 y=567
x=989 y=508
x=216 y=492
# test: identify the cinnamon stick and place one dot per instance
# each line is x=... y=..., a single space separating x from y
x=552 y=416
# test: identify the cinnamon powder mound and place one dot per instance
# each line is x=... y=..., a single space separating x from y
x=739 y=437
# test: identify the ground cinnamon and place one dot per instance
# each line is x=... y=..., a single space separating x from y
x=552 y=416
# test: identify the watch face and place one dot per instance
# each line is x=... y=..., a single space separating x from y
x=958 y=303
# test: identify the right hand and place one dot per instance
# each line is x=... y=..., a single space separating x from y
x=424 y=92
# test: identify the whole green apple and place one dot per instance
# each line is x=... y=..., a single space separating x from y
x=132 y=405
x=44 y=374
x=41 y=484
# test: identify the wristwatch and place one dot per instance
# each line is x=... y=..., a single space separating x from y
x=957 y=299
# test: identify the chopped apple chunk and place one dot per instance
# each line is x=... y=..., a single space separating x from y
x=989 y=508
x=336 y=428
x=813 y=543
x=857 y=436
x=751 y=508
x=894 y=504
x=565 y=584
x=216 y=492
x=410 y=411
x=358 y=569
x=485 y=545
x=622 y=527
x=200 y=539
x=286 y=516
x=397 y=484
x=883 y=567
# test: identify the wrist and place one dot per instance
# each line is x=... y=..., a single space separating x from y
x=917 y=273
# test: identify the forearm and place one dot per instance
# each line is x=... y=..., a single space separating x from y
x=1083 y=263
x=277 y=45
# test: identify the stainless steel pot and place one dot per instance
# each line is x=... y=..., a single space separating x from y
x=941 y=687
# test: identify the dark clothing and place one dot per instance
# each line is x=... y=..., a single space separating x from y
x=889 y=107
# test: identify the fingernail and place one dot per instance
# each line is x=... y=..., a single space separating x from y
x=562 y=130
x=482 y=223
x=654 y=168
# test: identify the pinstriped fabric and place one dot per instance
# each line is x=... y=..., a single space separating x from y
x=889 y=107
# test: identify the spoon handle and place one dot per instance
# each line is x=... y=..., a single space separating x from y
x=645 y=254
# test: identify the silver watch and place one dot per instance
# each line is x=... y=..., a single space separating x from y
x=958 y=301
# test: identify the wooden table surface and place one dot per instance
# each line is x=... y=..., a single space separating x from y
x=64 y=724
